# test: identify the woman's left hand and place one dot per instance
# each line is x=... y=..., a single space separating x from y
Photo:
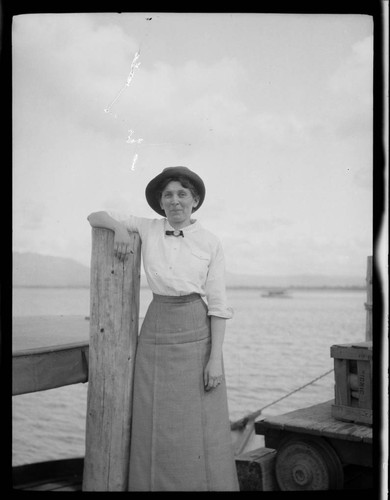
x=213 y=374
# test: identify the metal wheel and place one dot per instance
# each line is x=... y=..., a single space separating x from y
x=308 y=464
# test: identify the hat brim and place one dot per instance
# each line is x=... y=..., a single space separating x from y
x=153 y=186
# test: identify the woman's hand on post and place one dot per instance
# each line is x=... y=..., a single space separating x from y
x=122 y=243
x=213 y=374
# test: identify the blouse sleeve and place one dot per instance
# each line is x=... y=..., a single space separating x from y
x=216 y=288
x=131 y=222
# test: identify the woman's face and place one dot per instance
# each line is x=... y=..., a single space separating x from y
x=178 y=202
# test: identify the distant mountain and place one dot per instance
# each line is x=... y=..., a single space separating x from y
x=31 y=269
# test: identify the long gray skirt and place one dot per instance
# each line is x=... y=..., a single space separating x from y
x=180 y=438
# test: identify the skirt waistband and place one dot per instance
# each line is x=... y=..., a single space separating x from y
x=176 y=299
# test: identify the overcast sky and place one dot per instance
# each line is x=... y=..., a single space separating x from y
x=273 y=111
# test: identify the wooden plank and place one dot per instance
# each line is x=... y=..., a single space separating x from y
x=39 y=332
x=352 y=414
x=315 y=420
x=38 y=371
x=113 y=338
x=48 y=352
x=365 y=384
x=351 y=352
x=70 y=484
x=49 y=349
x=47 y=486
x=342 y=389
x=72 y=487
x=256 y=471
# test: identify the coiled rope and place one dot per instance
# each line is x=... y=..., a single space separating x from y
x=242 y=423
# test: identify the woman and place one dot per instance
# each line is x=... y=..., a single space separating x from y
x=180 y=438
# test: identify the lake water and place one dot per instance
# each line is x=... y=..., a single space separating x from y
x=272 y=347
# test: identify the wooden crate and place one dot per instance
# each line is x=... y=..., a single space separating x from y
x=256 y=471
x=353 y=382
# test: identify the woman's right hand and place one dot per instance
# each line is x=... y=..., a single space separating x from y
x=122 y=243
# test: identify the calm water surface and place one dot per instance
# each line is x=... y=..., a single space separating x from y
x=272 y=346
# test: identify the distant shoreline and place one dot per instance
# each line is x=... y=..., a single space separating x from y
x=231 y=287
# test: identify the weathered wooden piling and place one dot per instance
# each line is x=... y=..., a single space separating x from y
x=368 y=304
x=114 y=312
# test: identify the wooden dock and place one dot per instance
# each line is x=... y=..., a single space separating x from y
x=49 y=352
x=307 y=449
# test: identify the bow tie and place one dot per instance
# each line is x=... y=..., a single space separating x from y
x=174 y=233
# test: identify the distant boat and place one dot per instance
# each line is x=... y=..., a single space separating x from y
x=277 y=293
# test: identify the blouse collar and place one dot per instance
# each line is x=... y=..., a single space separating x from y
x=194 y=226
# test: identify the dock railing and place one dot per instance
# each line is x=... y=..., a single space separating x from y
x=114 y=312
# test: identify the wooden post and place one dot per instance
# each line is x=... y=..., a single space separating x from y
x=113 y=338
x=368 y=304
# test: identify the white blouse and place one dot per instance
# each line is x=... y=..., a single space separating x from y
x=177 y=265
